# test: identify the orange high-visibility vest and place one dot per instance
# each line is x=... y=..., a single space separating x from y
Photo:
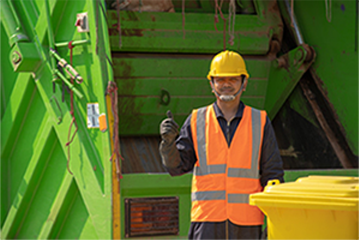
x=223 y=177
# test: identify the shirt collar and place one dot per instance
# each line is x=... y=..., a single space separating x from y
x=219 y=113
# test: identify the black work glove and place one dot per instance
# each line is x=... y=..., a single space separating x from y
x=168 y=150
x=169 y=129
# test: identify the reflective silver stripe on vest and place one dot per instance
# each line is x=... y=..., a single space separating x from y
x=256 y=141
x=253 y=172
x=243 y=172
x=201 y=136
x=203 y=168
x=209 y=195
x=238 y=198
x=211 y=169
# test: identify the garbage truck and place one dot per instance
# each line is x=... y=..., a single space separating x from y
x=86 y=83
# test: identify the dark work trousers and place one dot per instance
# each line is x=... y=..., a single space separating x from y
x=223 y=230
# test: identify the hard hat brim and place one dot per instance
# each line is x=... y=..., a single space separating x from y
x=209 y=76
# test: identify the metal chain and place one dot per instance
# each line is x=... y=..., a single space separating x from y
x=183 y=19
x=119 y=5
x=231 y=21
x=219 y=8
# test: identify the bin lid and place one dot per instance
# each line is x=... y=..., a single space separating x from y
x=312 y=192
x=329 y=186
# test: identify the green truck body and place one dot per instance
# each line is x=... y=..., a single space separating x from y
x=60 y=120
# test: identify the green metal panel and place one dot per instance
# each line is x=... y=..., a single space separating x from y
x=153 y=77
x=6 y=73
x=149 y=85
x=336 y=65
x=73 y=219
x=160 y=65
x=286 y=72
x=40 y=198
x=164 y=32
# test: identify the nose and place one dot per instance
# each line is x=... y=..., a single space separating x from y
x=226 y=83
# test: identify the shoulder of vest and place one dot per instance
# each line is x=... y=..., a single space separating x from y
x=201 y=108
x=257 y=110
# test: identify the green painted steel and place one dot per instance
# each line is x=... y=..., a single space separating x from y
x=165 y=32
x=204 y=6
x=153 y=77
x=335 y=41
x=285 y=74
x=170 y=37
x=178 y=84
x=159 y=62
x=40 y=198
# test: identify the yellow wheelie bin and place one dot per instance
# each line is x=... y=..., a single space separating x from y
x=314 y=207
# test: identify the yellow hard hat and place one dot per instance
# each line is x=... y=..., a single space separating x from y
x=227 y=64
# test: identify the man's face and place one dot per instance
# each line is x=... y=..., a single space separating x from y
x=227 y=85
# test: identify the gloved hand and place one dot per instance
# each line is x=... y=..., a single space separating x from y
x=168 y=150
x=169 y=128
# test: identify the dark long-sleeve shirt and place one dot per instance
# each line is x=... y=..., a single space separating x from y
x=270 y=160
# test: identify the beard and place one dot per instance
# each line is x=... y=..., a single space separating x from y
x=228 y=95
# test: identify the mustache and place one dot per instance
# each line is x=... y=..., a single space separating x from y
x=226 y=88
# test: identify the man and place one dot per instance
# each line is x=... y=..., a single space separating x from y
x=232 y=151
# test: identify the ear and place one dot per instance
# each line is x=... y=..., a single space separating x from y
x=211 y=82
x=245 y=84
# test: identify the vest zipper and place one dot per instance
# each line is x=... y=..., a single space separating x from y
x=228 y=134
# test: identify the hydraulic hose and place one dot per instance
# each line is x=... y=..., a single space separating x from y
x=294 y=24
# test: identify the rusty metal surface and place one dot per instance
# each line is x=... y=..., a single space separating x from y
x=132 y=31
x=334 y=141
x=321 y=87
x=141 y=154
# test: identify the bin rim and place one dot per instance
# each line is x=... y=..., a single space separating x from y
x=312 y=192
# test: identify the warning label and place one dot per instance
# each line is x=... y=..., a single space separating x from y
x=93 y=113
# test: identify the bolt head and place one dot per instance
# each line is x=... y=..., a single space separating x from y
x=15 y=57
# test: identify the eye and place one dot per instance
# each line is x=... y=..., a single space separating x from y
x=234 y=79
